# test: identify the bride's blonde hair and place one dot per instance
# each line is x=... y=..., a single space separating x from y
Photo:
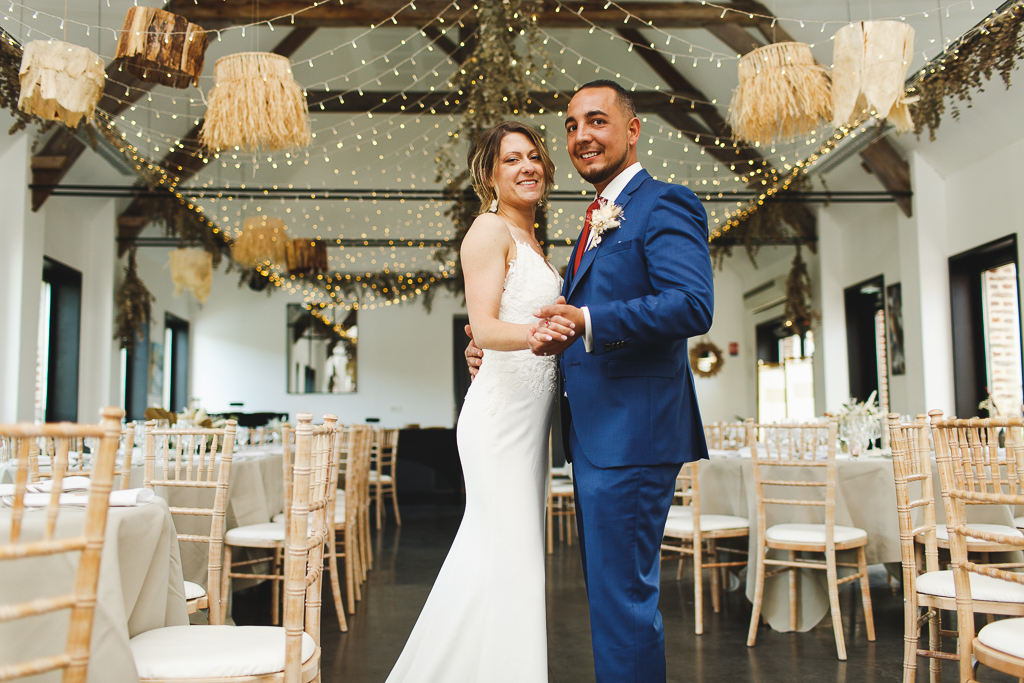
x=484 y=156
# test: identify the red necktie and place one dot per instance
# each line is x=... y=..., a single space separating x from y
x=584 y=236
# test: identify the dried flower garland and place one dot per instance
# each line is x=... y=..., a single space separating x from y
x=800 y=316
x=994 y=47
x=494 y=84
x=134 y=305
x=181 y=220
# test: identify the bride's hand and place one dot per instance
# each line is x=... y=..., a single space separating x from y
x=474 y=355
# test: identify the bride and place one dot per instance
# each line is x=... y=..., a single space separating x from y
x=485 y=617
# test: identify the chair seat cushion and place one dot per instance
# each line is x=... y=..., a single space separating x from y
x=256 y=532
x=683 y=524
x=278 y=518
x=561 y=487
x=1005 y=635
x=812 y=533
x=339 y=515
x=982 y=587
x=942 y=533
x=1019 y=522
x=680 y=511
x=385 y=479
x=193 y=591
x=213 y=651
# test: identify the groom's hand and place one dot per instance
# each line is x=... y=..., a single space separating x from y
x=557 y=317
x=474 y=354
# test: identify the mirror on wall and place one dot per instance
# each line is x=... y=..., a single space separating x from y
x=321 y=351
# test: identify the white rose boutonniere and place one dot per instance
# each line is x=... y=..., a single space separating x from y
x=606 y=217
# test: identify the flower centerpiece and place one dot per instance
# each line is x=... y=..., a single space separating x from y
x=860 y=424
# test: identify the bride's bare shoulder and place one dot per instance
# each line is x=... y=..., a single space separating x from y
x=487 y=231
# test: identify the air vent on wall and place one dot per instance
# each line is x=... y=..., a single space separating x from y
x=768 y=295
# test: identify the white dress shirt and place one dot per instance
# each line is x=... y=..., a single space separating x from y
x=610 y=194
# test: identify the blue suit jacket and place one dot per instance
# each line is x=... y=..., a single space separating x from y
x=648 y=286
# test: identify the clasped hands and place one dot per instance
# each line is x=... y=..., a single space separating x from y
x=560 y=326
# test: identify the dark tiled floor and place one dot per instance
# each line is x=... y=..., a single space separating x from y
x=407 y=562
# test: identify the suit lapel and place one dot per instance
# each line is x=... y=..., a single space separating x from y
x=591 y=254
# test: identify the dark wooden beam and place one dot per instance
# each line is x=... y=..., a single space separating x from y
x=701 y=106
x=883 y=160
x=375 y=12
x=184 y=162
x=737 y=38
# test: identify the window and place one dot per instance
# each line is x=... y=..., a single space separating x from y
x=321 y=351
x=865 y=341
x=60 y=314
x=985 y=307
x=175 y=388
x=785 y=373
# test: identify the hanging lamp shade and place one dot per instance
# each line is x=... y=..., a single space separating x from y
x=869 y=66
x=782 y=93
x=263 y=239
x=255 y=104
x=60 y=81
x=192 y=269
x=306 y=256
x=160 y=47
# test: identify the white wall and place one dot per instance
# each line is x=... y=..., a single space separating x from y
x=724 y=396
x=404 y=370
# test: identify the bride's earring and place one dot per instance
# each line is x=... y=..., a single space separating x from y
x=494 y=206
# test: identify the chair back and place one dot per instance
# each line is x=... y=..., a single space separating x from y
x=313 y=486
x=123 y=471
x=688 y=490
x=357 y=470
x=973 y=472
x=81 y=601
x=733 y=435
x=787 y=458
x=912 y=470
x=387 y=451
x=713 y=435
x=198 y=459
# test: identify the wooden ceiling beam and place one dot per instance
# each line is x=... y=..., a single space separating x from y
x=736 y=38
x=185 y=163
x=361 y=13
x=883 y=160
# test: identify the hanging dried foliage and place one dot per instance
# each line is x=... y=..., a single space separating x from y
x=306 y=256
x=782 y=93
x=263 y=239
x=992 y=48
x=800 y=316
x=134 y=305
x=178 y=220
x=494 y=85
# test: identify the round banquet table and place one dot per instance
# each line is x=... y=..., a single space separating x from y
x=865 y=498
x=140 y=588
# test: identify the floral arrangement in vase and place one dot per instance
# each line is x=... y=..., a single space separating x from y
x=860 y=424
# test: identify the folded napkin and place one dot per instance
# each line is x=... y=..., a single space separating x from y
x=725 y=453
x=125 y=498
x=67 y=484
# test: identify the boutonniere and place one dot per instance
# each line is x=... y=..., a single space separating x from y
x=607 y=216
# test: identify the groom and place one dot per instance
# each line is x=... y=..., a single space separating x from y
x=636 y=292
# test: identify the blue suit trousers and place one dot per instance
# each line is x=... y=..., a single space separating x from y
x=621 y=514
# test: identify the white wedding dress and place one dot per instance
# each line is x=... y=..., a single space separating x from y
x=485 y=620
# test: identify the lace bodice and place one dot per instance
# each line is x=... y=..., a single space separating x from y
x=531 y=282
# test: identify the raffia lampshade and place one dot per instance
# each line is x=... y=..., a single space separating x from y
x=263 y=239
x=192 y=269
x=60 y=81
x=306 y=256
x=781 y=94
x=255 y=105
x=869 y=65
x=161 y=47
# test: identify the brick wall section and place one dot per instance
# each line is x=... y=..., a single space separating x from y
x=1003 y=338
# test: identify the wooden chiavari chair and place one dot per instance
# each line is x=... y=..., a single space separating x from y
x=713 y=435
x=561 y=503
x=345 y=535
x=697 y=535
x=81 y=601
x=973 y=473
x=79 y=461
x=269 y=536
x=198 y=460
x=793 y=451
x=383 y=475
x=289 y=654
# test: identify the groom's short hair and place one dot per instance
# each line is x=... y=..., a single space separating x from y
x=622 y=97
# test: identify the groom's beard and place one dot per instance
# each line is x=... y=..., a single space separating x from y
x=606 y=172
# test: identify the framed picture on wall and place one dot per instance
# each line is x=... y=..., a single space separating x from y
x=894 y=328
